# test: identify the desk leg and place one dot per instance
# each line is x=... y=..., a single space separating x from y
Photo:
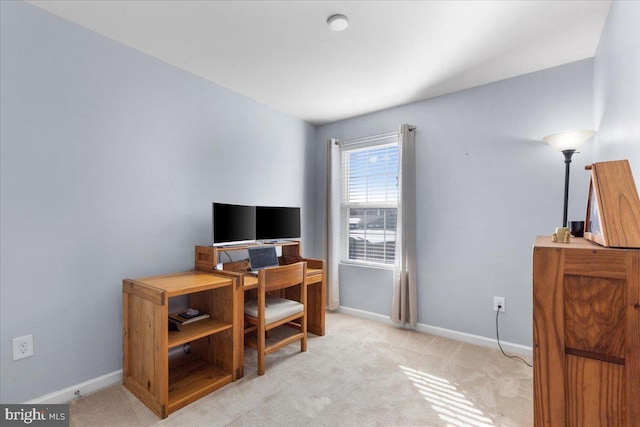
x=315 y=308
x=239 y=339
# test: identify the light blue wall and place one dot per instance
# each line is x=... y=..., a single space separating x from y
x=110 y=162
x=486 y=187
x=366 y=288
x=617 y=87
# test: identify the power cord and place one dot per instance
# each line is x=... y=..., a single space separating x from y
x=498 y=339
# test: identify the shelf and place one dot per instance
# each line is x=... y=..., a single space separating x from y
x=190 y=378
x=193 y=331
x=246 y=246
x=208 y=257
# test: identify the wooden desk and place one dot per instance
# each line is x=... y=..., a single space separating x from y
x=206 y=259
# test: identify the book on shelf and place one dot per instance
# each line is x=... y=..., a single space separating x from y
x=184 y=318
x=190 y=313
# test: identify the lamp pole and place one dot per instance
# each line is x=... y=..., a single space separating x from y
x=567 y=162
x=567 y=142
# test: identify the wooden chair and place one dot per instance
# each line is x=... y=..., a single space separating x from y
x=268 y=312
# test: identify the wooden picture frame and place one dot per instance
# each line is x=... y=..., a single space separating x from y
x=613 y=206
x=593 y=223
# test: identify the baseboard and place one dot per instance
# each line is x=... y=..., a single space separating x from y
x=446 y=333
x=68 y=394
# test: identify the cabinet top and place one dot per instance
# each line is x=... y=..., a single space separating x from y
x=576 y=243
x=186 y=282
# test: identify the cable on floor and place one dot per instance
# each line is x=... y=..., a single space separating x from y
x=498 y=339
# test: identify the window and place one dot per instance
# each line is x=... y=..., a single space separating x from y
x=370 y=200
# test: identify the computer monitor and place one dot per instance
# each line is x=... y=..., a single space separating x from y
x=277 y=222
x=233 y=224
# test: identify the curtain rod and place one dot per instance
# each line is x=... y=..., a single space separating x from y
x=363 y=139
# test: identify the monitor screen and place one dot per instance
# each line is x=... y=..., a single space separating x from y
x=233 y=223
x=273 y=222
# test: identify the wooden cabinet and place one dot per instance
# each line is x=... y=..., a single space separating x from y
x=156 y=367
x=586 y=333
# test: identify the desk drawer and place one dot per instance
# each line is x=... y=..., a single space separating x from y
x=314 y=279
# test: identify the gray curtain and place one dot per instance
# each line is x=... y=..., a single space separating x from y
x=404 y=305
x=332 y=224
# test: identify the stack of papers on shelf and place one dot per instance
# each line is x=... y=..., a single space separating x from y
x=188 y=316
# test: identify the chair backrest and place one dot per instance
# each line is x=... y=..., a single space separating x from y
x=282 y=277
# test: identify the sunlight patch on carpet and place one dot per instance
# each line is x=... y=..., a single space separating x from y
x=451 y=405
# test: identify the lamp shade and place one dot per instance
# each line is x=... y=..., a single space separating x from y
x=570 y=140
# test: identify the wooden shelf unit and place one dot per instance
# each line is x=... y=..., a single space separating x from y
x=586 y=334
x=207 y=257
x=166 y=382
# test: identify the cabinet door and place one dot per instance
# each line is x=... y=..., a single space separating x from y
x=586 y=336
x=632 y=359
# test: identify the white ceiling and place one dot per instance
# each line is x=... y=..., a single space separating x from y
x=283 y=54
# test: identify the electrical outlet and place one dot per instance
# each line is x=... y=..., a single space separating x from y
x=22 y=347
x=499 y=301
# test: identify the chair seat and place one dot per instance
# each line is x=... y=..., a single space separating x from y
x=275 y=308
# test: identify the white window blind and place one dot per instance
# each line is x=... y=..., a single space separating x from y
x=370 y=172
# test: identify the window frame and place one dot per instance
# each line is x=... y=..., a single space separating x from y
x=346 y=206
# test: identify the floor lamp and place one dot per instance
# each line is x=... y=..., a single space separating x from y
x=567 y=142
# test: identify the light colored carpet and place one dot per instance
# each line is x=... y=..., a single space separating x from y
x=362 y=373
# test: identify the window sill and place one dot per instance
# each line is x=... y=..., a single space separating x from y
x=366 y=264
